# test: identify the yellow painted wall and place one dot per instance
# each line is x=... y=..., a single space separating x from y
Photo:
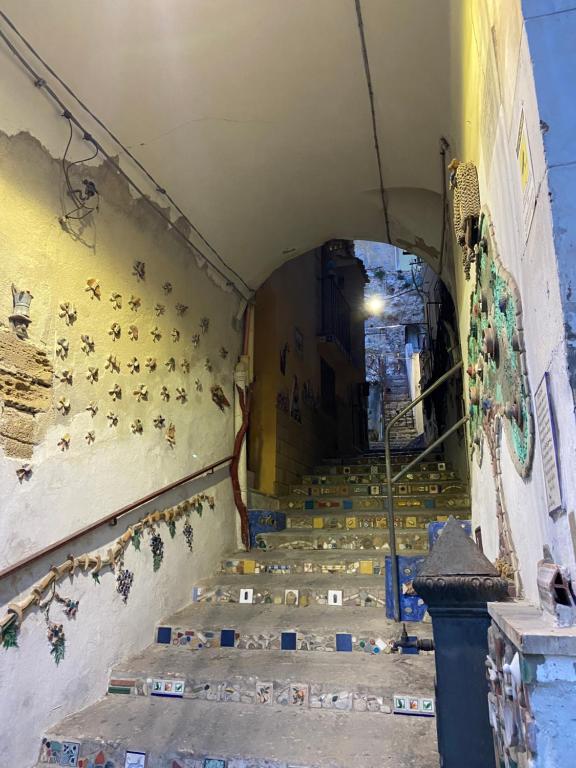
x=281 y=448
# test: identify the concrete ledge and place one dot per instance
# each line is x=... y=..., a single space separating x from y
x=532 y=631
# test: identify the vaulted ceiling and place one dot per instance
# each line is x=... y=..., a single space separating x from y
x=255 y=115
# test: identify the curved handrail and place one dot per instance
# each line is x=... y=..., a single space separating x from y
x=393 y=479
x=111 y=518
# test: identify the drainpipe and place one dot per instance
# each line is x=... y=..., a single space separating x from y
x=457 y=581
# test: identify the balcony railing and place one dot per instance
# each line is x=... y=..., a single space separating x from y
x=336 y=315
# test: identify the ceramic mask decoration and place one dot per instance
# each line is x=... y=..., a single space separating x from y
x=116 y=300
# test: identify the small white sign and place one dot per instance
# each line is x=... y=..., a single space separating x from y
x=247 y=596
x=335 y=597
x=135 y=760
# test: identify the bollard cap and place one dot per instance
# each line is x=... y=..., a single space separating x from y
x=457 y=573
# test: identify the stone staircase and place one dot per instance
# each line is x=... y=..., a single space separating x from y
x=293 y=663
x=396 y=397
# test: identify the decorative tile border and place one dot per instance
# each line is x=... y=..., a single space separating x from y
x=302 y=598
x=251 y=690
x=273 y=640
x=422 y=706
x=378 y=489
x=365 y=478
x=347 y=565
x=407 y=539
x=334 y=521
x=378 y=502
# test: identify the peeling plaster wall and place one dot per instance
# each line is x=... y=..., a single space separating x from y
x=70 y=488
x=494 y=87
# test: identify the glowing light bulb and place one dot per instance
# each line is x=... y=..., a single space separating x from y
x=374 y=305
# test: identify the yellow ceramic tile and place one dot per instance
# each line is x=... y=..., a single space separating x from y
x=249 y=566
x=366 y=567
x=441 y=518
x=350 y=522
x=411 y=522
x=318 y=522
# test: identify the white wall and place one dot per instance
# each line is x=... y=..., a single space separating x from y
x=503 y=87
x=69 y=489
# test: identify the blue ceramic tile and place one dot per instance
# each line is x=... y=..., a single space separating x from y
x=210 y=762
x=227 y=638
x=343 y=642
x=309 y=504
x=288 y=642
x=164 y=635
x=429 y=503
x=347 y=504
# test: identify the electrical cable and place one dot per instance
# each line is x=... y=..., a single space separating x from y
x=40 y=82
x=373 y=114
x=78 y=196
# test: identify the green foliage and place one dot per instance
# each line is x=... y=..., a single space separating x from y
x=96 y=577
x=58 y=650
x=10 y=636
x=136 y=539
x=172 y=528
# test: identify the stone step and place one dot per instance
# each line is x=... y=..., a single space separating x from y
x=299 y=590
x=441 y=502
x=378 y=489
x=343 y=520
x=408 y=540
x=283 y=563
x=362 y=468
x=375 y=458
x=279 y=627
x=229 y=675
x=193 y=734
x=340 y=478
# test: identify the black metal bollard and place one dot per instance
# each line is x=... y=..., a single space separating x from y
x=456 y=581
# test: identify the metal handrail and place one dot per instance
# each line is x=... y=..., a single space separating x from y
x=112 y=518
x=391 y=480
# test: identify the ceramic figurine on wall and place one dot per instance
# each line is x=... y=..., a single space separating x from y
x=175 y=334
x=204 y=324
x=170 y=435
x=165 y=394
x=133 y=332
x=181 y=395
x=92 y=374
x=133 y=365
x=188 y=533
x=159 y=422
x=198 y=385
x=464 y=183
x=185 y=365
x=112 y=419
x=170 y=364
x=181 y=309
x=115 y=392
x=150 y=364
x=115 y=331
x=134 y=303
x=24 y=473
x=93 y=288
x=157 y=547
x=65 y=377
x=68 y=313
x=57 y=640
x=167 y=288
x=141 y=392
x=90 y=437
x=195 y=340
x=223 y=353
x=156 y=334
x=87 y=345
x=159 y=309
x=63 y=406
x=139 y=270
x=64 y=442
x=112 y=364
x=92 y=408
x=137 y=427
x=124 y=581
x=219 y=398
x=20 y=317
x=116 y=300
x=208 y=365
x=62 y=347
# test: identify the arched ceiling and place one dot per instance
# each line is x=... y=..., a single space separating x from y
x=255 y=114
